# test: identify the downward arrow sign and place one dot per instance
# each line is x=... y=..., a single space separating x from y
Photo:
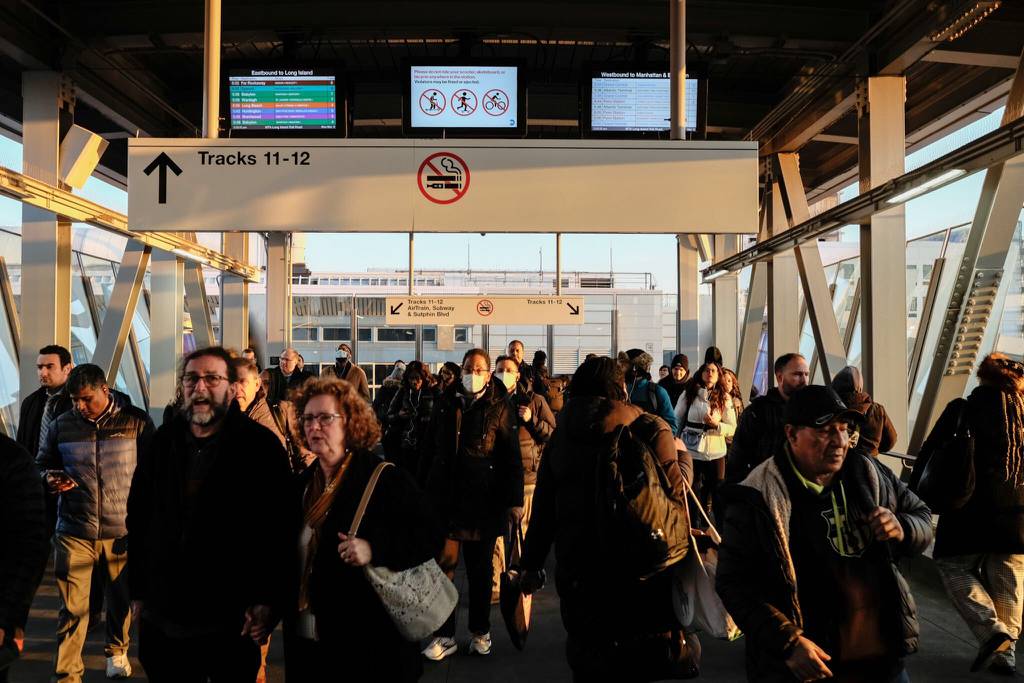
x=394 y=309
x=574 y=310
x=162 y=162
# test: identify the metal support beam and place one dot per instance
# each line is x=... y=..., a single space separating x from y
x=987 y=60
x=817 y=294
x=687 y=299
x=211 y=70
x=10 y=308
x=924 y=322
x=418 y=329
x=783 y=296
x=965 y=329
x=167 y=302
x=558 y=264
x=279 y=292
x=677 y=68
x=45 y=239
x=725 y=304
x=198 y=306
x=234 y=295
x=120 y=310
x=883 y=253
x=354 y=319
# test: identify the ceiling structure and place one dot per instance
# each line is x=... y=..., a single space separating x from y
x=783 y=72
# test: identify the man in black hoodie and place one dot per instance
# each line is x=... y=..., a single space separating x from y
x=759 y=433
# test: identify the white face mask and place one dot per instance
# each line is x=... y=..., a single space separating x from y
x=474 y=384
x=342 y=355
x=507 y=378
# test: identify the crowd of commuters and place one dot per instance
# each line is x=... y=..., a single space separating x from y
x=236 y=514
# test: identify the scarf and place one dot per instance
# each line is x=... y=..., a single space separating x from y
x=1013 y=421
x=317 y=504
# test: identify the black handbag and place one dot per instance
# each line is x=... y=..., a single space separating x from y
x=947 y=476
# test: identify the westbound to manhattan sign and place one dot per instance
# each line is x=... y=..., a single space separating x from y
x=484 y=310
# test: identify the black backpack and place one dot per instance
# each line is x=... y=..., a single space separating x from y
x=641 y=528
x=943 y=475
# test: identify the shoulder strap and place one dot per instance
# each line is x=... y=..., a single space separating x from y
x=652 y=396
x=367 y=493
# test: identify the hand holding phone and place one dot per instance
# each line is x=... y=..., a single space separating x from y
x=58 y=481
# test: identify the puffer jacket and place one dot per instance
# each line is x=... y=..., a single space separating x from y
x=692 y=415
x=759 y=435
x=385 y=397
x=476 y=471
x=100 y=457
x=756 y=577
x=533 y=435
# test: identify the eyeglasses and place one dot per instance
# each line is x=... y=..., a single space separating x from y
x=212 y=381
x=325 y=420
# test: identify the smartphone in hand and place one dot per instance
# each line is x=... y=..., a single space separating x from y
x=59 y=481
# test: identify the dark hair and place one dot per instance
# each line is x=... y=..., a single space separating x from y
x=59 y=351
x=599 y=376
x=249 y=349
x=477 y=352
x=716 y=397
x=86 y=375
x=451 y=367
x=664 y=367
x=504 y=357
x=539 y=358
x=213 y=352
x=713 y=355
x=516 y=341
x=415 y=369
x=243 y=363
x=782 y=361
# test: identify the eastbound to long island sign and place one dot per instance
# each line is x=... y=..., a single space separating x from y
x=442 y=186
x=484 y=310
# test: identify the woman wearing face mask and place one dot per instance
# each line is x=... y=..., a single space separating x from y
x=476 y=482
x=408 y=417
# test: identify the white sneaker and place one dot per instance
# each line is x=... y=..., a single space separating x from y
x=118 y=666
x=439 y=648
x=480 y=645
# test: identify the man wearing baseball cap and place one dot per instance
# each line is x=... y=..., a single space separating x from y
x=806 y=566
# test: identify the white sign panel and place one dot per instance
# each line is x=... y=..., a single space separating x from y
x=541 y=186
x=484 y=310
x=463 y=96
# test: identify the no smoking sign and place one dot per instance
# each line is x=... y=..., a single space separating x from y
x=443 y=178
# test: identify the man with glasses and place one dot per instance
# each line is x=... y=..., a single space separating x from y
x=807 y=563
x=285 y=377
x=88 y=460
x=209 y=529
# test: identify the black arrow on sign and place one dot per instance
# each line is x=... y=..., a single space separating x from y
x=162 y=162
x=575 y=309
x=394 y=309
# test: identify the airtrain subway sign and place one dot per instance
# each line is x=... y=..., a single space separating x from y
x=484 y=310
x=353 y=185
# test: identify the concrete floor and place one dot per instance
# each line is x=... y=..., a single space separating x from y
x=946 y=646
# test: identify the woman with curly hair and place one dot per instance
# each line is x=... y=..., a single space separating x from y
x=706 y=417
x=339 y=627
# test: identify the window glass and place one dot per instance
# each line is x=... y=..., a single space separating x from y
x=462 y=335
x=396 y=334
x=338 y=334
x=305 y=333
x=430 y=334
x=365 y=334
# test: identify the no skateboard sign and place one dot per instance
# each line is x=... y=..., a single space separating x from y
x=443 y=178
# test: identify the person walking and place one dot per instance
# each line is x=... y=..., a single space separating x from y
x=345 y=368
x=23 y=537
x=678 y=374
x=642 y=389
x=88 y=459
x=408 y=418
x=876 y=432
x=618 y=628
x=251 y=398
x=706 y=418
x=979 y=548
x=476 y=484
x=209 y=533
x=338 y=626
x=517 y=352
x=386 y=393
x=759 y=432
x=52 y=367
x=807 y=563
x=286 y=376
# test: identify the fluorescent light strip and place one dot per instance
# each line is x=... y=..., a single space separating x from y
x=190 y=256
x=926 y=186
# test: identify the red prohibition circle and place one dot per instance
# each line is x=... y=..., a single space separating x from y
x=494 y=111
x=472 y=98
x=423 y=97
x=485 y=307
x=429 y=166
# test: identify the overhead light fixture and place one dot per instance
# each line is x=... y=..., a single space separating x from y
x=714 y=276
x=966 y=21
x=927 y=186
x=190 y=256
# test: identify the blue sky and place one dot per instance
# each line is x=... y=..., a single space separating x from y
x=655 y=254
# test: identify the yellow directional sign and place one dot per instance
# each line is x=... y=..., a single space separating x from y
x=484 y=310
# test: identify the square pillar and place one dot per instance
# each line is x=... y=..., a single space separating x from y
x=234 y=296
x=783 y=291
x=279 y=293
x=167 y=297
x=45 y=240
x=725 y=303
x=688 y=303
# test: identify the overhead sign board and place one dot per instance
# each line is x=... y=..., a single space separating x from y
x=484 y=310
x=352 y=185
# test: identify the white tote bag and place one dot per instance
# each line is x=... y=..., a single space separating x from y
x=419 y=599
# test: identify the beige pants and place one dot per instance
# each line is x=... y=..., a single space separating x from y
x=74 y=560
x=499 y=545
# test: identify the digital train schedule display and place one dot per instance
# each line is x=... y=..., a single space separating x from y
x=283 y=99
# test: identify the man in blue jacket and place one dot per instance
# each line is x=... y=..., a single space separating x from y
x=642 y=391
x=88 y=459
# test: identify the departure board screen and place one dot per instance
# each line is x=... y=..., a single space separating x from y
x=631 y=100
x=268 y=99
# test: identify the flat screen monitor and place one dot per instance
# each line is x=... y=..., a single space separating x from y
x=636 y=100
x=285 y=100
x=471 y=99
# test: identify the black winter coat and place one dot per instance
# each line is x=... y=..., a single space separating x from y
x=23 y=534
x=30 y=418
x=992 y=521
x=407 y=425
x=476 y=472
x=403 y=532
x=236 y=550
x=759 y=435
x=673 y=388
x=756 y=578
x=277 y=385
x=533 y=435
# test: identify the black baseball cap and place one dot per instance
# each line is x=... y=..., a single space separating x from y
x=816 y=406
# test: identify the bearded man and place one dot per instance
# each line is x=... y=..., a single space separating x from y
x=208 y=533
